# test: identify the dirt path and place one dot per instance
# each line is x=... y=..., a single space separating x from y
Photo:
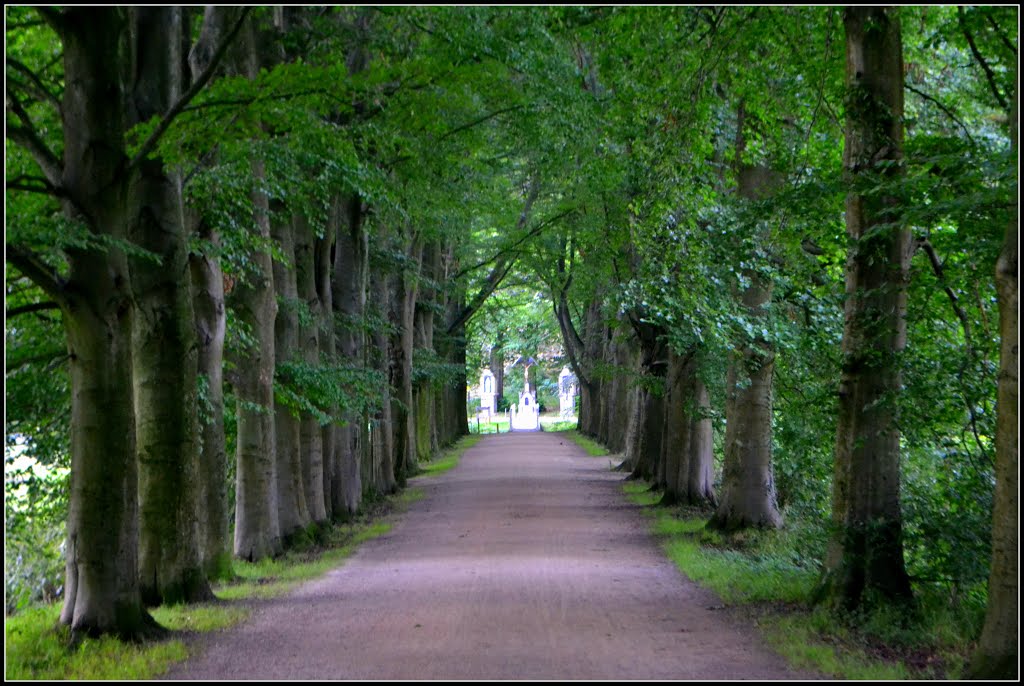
x=524 y=562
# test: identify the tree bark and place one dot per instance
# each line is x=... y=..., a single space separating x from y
x=383 y=452
x=292 y=512
x=310 y=434
x=351 y=271
x=748 y=484
x=164 y=358
x=865 y=557
x=328 y=346
x=102 y=578
x=403 y=311
x=997 y=651
x=210 y=325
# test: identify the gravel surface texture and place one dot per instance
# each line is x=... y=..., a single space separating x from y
x=526 y=561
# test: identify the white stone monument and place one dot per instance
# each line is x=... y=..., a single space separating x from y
x=487 y=392
x=567 y=393
x=525 y=414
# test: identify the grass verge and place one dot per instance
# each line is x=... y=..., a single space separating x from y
x=37 y=648
x=450 y=457
x=593 y=448
x=760 y=577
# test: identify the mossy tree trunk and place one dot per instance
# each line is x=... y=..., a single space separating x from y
x=748 y=483
x=350 y=283
x=292 y=512
x=164 y=350
x=865 y=557
x=310 y=434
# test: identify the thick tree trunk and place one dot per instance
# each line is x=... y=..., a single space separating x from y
x=257 y=527
x=351 y=271
x=651 y=410
x=292 y=512
x=210 y=318
x=998 y=647
x=748 y=484
x=163 y=338
x=210 y=325
x=310 y=434
x=101 y=591
x=865 y=558
x=689 y=435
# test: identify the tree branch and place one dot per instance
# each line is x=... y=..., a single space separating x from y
x=1002 y=36
x=27 y=138
x=501 y=269
x=989 y=75
x=36 y=81
x=33 y=307
x=949 y=112
x=43 y=275
x=478 y=121
x=33 y=184
x=186 y=98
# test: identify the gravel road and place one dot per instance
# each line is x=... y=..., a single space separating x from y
x=524 y=562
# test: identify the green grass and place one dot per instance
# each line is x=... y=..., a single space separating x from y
x=38 y=649
x=449 y=458
x=759 y=574
x=593 y=448
x=498 y=424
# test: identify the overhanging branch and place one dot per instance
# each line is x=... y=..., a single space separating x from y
x=27 y=137
x=197 y=86
x=43 y=275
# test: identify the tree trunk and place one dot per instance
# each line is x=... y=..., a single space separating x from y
x=651 y=412
x=351 y=270
x=383 y=467
x=165 y=364
x=748 y=484
x=997 y=652
x=403 y=311
x=865 y=558
x=292 y=512
x=310 y=434
x=257 y=527
x=328 y=347
x=498 y=368
x=101 y=591
x=689 y=434
x=210 y=325
x=210 y=318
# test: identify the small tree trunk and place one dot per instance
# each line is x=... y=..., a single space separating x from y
x=997 y=652
x=865 y=557
x=403 y=311
x=328 y=348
